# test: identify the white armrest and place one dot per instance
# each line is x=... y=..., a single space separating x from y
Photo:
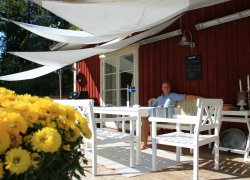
x=172 y=120
x=101 y=120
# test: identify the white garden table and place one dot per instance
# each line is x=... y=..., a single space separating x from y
x=122 y=110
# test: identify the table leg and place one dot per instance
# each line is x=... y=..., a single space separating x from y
x=138 y=140
x=248 y=141
x=246 y=159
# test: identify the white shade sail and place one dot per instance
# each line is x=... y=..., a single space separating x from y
x=116 y=17
x=63 y=58
x=31 y=74
x=196 y=4
x=66 y=36
x=103 y=18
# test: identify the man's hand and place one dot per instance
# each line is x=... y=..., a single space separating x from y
x=160 y=106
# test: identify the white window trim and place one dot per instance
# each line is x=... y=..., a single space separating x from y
x=129 y=49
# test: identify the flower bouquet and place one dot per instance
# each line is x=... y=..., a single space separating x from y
x=39 y=139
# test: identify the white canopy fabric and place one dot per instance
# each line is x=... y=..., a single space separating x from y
x=196 y=4
x=31 y=74
x=116 y=17
x=63 y=58
x=103 y=18
x=66 y=36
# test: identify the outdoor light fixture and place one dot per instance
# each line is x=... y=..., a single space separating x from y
x=161 y=37
x=101 y=56
x=224 y=19
x=185 y=42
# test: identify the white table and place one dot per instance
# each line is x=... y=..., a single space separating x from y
x=122 y=110
x=240 y=117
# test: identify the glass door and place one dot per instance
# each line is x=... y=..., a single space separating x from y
x=118 y=74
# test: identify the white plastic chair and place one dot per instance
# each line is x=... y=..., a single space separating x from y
x=102 y=136
x=208 y=117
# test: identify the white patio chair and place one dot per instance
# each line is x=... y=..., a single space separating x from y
x=208 y=117
x=102 y=136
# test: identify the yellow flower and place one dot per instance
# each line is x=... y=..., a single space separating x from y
x=35 y=159
x=1 y=170
x=4 y=141
x=17 y=160
x=15 y=138
x=47 y=140
x=66 y=147
x=27 y=140
x=83 y=125
x=73 y=133
x=13 y=120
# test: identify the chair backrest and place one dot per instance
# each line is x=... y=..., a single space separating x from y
x=208 y=115
x=84 y=107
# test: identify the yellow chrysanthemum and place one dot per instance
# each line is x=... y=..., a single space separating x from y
x=73 y=133
x=15 y=138
x=30 y=116
x=68 y=112
x=66 y=147
x=4 y=141
x=83 y=125
x=1 y=170
x=47 y=140
x=16 y=121
x=35 y=159
x=64 y=123
x=27 y=140
x=17 y=160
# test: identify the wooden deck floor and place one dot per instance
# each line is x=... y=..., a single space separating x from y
x=232 y=166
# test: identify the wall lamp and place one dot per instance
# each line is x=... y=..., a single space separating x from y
x=224 y=19
x=185 y=42
x=101 y=56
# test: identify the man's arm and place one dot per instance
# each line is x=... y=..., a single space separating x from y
x=192 y=97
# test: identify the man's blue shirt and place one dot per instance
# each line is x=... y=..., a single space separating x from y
x=169 y=100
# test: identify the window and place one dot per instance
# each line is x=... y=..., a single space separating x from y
x=118 y=72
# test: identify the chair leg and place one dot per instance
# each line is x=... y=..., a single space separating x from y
x=196 y=164
x=178 y=154
x=154 y=154
x=94 y=159
x=210 y=144
x=191 y=132
x=216 y=154
x=132 y=161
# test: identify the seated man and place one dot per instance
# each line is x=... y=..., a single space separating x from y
x=167 y=99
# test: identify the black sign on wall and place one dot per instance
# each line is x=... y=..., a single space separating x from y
x=193 y=67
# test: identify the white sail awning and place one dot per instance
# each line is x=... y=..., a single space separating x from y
x=116 y=17
x=103 y=18
x=66 y=36
x=31 y=74
x=196 y=4
x=63 y=58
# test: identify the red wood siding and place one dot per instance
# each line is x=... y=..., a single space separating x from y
x=224 y=50
x=90 y=77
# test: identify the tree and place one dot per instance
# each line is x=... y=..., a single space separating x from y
x=15 y=38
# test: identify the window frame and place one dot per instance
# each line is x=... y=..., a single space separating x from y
x=132 y=49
